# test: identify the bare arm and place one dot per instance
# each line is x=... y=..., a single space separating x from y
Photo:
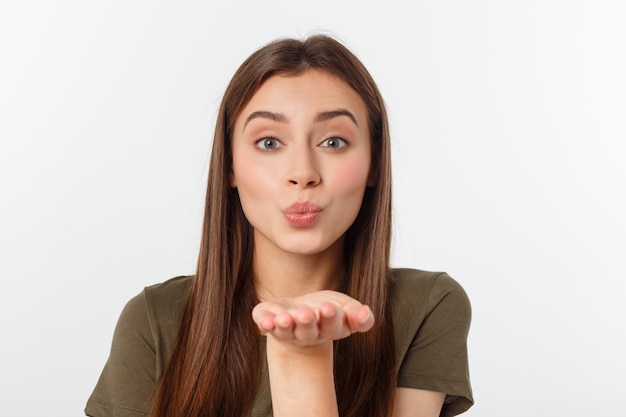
x=300 y=334
x=301 y=381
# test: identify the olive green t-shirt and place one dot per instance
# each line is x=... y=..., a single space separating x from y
x=431 y=314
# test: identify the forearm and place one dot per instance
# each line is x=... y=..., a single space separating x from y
x=301 y=380
x=300 y=334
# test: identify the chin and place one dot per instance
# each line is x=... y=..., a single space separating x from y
x=308 y=246
x=304 y=250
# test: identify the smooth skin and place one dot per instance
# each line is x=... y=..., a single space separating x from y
x=304 y=140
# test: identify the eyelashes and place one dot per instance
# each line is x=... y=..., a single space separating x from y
x=270 y=144
x=334 y=143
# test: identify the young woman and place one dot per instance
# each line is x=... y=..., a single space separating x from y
x=294 y=309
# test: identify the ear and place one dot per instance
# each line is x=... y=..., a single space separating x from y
x=232 y=183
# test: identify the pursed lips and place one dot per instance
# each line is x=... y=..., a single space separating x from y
x=302 y=214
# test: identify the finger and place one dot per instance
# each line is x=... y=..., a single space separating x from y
x=283 y=326
x=306 y=329
x=328 y=311
x=360 y=318
x=264 y=318
x=333 y=324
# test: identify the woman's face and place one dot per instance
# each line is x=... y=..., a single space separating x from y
x=301 y=161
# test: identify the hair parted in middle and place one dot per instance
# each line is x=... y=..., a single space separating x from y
x=215 y=367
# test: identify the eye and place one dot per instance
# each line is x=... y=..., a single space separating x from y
x=268 y=144
x=334 y=143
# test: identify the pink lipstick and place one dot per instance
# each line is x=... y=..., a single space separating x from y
x=302 y=214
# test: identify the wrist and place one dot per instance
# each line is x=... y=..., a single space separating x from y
x=301 y=378
x=286 y=348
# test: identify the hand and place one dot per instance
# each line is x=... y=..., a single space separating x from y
x=312 y=319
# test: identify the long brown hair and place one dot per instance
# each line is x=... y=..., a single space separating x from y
x=215 y=367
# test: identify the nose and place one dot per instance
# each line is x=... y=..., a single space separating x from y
x=303 y=171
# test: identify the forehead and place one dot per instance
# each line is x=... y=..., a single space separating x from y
x=312 y=91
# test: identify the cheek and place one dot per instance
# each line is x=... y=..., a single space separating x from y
x=253 y=181
x=351 y=177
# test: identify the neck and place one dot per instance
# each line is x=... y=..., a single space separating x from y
x=279 y=274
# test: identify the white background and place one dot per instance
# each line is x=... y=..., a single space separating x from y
x=508 y=124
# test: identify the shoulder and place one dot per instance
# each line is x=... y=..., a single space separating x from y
x=143 y=339
x=418 y=291
x=162 y=303
x=427 y=303
x=165 y=306
x=431 y=318
x=168 y=297
x=154 y=316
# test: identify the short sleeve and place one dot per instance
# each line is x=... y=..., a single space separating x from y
x=436 y=358
x=127 y=382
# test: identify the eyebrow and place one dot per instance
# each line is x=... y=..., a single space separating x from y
x=281 y=118
x=277 y=117
x=327 y=115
